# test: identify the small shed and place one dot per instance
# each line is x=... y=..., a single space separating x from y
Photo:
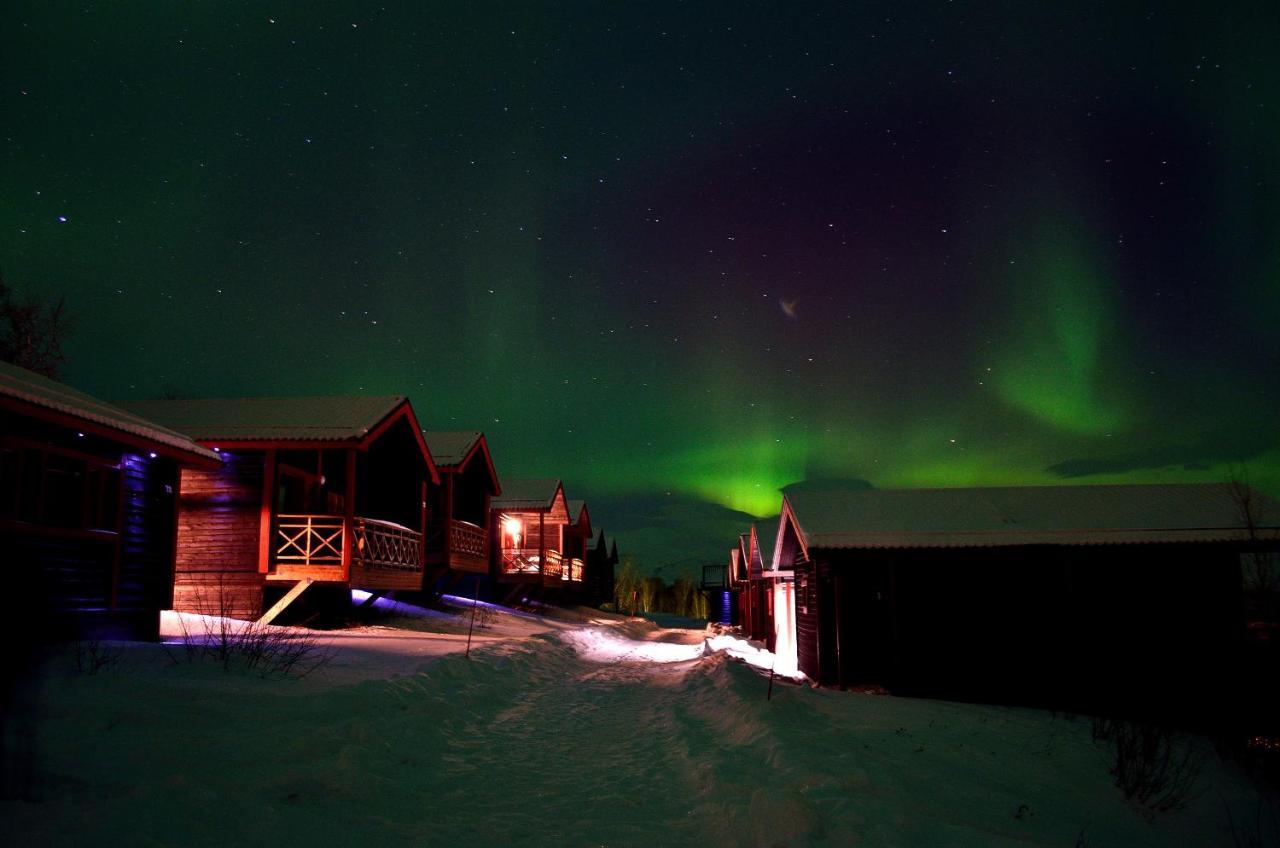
x=88 y=498
x=1067 y=595
x=459 y=518
x=327 y=490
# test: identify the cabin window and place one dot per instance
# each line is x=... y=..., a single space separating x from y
x=55 y=489
x=802 y=593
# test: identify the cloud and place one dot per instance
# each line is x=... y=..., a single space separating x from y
x=1220 y=446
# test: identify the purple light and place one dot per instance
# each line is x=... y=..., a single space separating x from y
x=62 y=219
x=79 y=435
x=152 y=454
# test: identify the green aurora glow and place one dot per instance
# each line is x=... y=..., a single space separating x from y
x=1017 y=245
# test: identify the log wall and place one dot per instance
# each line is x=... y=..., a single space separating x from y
x=218 y=536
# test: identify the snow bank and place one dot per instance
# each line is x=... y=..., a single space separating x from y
x=620 y=735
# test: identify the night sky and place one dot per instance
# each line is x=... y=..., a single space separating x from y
x=706 y=249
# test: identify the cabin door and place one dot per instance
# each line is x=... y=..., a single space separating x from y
x=298 y=492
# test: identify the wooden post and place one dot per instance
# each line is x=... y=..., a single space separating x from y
x=474 y=599
x=173 y=539
x=268 y=509
x=837 y=585
x=422 y=528
x=446 y=520
x=542 y=545
x=349 y=514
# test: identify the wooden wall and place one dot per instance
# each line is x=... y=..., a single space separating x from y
x=81 y=577
x=218 y=526
x=1078 y=627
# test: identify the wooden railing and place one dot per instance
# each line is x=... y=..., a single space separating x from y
x=573 y=570
x=317 y=540
x=521 y=561
x=309 y=540
x=713 y=576
x=383 y=544
x=553 y=568
x=467 y=538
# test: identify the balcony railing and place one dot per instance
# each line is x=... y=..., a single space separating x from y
x=385 y=545
x=467 y=538
x=529 y=561
x=309 y=540
x=572 y=570
x=317 y=541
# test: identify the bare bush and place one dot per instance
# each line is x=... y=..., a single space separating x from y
x=265 y=649
x=93 y=656
x=1155 y=767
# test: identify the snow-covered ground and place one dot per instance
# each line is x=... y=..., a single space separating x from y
x=594 y=731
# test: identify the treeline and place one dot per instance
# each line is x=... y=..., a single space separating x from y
x=634 y=592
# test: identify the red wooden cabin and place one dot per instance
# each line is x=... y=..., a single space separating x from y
x=330 y=490
x=88 y=506
x=577 y=544
x=459 y=520
x=759 y=553
x=529 y=520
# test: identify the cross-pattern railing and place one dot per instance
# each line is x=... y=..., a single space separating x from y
x=317 y=540
x=521 y=561
x=383 y=544
x=466 y=538
x=309 y=539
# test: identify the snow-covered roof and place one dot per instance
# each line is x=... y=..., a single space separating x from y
x=1027 y=515
x=31 y=388
x=325 y=418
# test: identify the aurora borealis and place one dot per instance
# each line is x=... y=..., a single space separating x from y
x=708 y=249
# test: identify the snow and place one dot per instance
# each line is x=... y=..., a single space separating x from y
x=581 y=729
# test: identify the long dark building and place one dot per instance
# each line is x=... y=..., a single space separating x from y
x=88 y=508
x=1090 y=596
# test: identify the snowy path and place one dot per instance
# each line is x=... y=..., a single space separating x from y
x=603 y=735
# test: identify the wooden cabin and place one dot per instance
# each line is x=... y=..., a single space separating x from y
x=577 y=544
x=760 y=582
x=311 y=490
x=529 y=520
x=1083 y=597
x=600 y=568
x=459 y=520
x=88 y=500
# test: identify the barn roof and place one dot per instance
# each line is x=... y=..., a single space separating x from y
x=1027 y=515
x=31 y=389
x=528 y=494
x=273 y=419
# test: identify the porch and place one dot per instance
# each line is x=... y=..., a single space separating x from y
x=459 y=545
x=366 y=553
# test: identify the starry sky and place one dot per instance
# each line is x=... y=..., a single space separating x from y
x=708 y=249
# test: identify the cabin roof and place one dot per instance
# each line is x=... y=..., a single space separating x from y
x=1025 y=515
x=766 y=533
x=457 y=448
x=33 y=390
x=273 y=419
x=451 y=447
x=528 y=495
